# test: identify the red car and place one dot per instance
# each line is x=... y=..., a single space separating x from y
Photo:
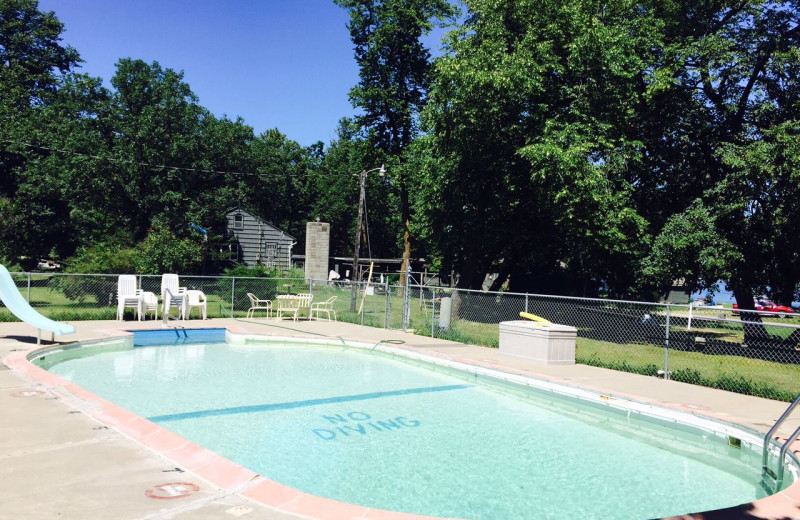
x=765 y=307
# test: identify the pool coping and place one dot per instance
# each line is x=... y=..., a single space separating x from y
x=227 y=475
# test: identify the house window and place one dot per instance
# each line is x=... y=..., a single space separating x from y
x=238 y=221
x=271 y=255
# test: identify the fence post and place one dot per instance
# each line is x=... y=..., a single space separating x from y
x=233 y=293
x=362 y=290
x=29 y=287
x=526 y=302
x=386 y=305
x=666 y=347
x=433 y=312
x=405 y=299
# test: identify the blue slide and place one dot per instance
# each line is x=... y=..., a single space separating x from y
x=13 y=300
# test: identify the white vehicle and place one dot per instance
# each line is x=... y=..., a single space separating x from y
x=48 y=265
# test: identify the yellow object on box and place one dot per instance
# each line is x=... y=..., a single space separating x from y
x=533 y=317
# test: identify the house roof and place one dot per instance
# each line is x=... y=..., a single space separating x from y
x=252 y=214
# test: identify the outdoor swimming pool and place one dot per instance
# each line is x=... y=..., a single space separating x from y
x=374 y=429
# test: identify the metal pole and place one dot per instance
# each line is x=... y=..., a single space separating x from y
x=386 y=305
x=29 y=288
x=666 y=348
x=526 y=302
x=233 y=293
x=433 y=313
x=357 y=241
x=405 y=299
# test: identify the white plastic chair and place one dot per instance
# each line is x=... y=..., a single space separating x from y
x=195 y=299
x=258 y=305
x=326 y=307
x=172 y=295
x=293 y=303
x=128 y=296
x=149 y=304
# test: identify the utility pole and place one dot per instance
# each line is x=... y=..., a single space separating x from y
x=362 y=178
x=357 y=243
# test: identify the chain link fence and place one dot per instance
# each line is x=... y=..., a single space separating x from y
x=749 y=352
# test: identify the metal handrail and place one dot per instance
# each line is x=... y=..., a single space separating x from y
x=784 y=449
x=170 y=300
x=778 y=477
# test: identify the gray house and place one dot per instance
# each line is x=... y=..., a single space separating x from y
x=258 y=242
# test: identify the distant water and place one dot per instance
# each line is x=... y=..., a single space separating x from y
x=723 y=295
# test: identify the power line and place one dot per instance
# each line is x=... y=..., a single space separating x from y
x=164 y=166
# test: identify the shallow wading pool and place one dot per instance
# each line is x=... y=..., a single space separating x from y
x=377 y=428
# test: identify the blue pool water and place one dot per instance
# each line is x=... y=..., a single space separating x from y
x=172 y=337
x=364 y=428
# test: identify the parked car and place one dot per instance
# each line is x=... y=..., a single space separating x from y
x=767 y=307
x=48 y=265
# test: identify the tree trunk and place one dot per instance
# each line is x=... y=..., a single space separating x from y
x=502 y=276
x=754 y=330
x=406 y=216
x=468 y=270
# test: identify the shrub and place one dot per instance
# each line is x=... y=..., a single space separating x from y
x=103 y=259
x=258 y=280
x=163 y=252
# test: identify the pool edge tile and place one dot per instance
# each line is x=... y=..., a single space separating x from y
x=271 y=493
x=225 y=473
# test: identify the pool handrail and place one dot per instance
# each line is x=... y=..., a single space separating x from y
x=766 y=471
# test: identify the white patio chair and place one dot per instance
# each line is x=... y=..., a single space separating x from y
x=128 y=296
x=326 y=307
x=149 y=304
x=293 y=304
x=172 y=295
x=258 y=305
x=196 y=299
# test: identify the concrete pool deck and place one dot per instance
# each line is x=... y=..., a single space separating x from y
x=63 y=456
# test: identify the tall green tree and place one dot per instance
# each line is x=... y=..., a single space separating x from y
x=740 y=62
x=155 y=146
x=31 y=54
x=32 y=63
x=63 y=193
x=529 y=143
x=394 y=67
x=580 y=130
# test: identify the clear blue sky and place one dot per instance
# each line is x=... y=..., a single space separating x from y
x=276 y=63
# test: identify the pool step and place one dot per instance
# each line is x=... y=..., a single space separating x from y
x=771 y=480
x=768 y=480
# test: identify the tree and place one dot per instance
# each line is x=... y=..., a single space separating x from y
x=32 y=61
x=594 y=126
x=394 y=68
x=530 y=143
x=280 y=191
x=156 y=142
x=164 y=252
x=30 y=54
x=741 y=63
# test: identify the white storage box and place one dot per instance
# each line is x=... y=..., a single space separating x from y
x=550 y=344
